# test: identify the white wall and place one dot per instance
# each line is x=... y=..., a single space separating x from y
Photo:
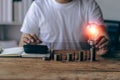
x=110 y=9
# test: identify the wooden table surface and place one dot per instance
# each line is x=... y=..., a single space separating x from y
x=34 y=68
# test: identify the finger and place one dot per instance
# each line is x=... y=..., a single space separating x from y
x=37 y=40
x=99 y=39
x=104 y=45
x=31 y=39
x=102 y=51
x=34 y=37
x=26 y=40
x=102 y=42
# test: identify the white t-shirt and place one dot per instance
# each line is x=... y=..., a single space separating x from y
x=60 y=25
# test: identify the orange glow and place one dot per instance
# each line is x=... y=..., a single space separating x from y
x=92 y=31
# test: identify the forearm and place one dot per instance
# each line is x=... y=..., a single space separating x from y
x=21 y=43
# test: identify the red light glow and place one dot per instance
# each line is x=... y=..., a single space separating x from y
x=92 y=31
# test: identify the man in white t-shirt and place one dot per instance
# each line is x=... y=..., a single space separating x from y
x=60 y=24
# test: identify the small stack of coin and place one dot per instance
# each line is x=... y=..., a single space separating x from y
x=69 y=57
x=57 y=57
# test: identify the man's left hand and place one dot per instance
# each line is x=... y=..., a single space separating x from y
x=102 y=45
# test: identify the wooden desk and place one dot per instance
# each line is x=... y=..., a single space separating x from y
x=34 y=68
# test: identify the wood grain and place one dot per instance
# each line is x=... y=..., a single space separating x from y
x=36 y=69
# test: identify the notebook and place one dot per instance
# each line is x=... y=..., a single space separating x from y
x=19 y=52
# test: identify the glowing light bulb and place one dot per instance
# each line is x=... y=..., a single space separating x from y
x=92 y=31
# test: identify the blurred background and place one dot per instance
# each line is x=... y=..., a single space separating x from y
x=12 y=14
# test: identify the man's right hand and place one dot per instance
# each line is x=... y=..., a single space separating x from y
x=29 y=39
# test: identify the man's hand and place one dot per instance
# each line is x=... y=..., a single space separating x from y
x=29 y=39
x=102 y=45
